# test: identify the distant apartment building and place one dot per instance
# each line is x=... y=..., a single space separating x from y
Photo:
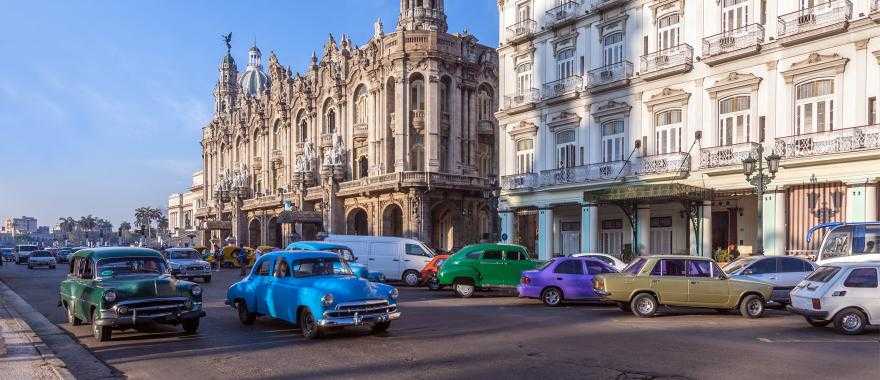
x=181 y=208
x=20 y=226
x=624 y=124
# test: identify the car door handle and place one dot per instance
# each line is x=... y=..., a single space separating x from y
x=396 y=260
x=406 y=260
x=559 y=278
x=371 y=259
x=694 y=282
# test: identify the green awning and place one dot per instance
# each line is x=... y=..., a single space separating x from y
x=654 y=193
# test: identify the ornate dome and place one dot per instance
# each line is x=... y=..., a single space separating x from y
x=253 y=80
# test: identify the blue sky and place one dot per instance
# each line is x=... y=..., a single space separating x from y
x=102 y=102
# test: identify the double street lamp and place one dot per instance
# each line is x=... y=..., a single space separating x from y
x=753 y=168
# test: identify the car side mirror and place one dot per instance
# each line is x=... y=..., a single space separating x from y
x=748 y=271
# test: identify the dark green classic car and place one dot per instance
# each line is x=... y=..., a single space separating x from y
x=118 y=288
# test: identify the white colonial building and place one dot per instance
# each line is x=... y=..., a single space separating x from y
x=624 y=124
x=182 y=227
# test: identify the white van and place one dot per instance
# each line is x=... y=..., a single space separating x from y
x=395 y=257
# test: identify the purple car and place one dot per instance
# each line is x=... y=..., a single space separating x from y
x=561 y=279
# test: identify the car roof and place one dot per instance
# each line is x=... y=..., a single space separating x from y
x=315 y=246
x=479 y=246
x=180 y=249
x=681 y=257
x=849 y=264
x=111 y=252
x=368 y=238
x=303 y=254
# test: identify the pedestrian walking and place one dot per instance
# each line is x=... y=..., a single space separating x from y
x=218 y=257
x=242 y=260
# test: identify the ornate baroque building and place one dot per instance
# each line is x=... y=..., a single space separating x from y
x=396 y=137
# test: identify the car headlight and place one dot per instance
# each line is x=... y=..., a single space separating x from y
x=394 y=294
x=110 y=296
x=327 y=299
x=196 y=290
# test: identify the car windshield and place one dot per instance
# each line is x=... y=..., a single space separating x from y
x=634 y=267
x=736 y=265
x=823 y=274
x=184 y=255
x=27 y=248
x=547 y=263
x=321 y=266
x=127 y=266
x=40 y=254
x=345 y=253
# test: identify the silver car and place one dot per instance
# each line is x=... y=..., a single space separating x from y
x=784 y=272
x=186 y=263
x=41 y=259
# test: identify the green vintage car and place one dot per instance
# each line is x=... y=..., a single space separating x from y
x=485 y=265
x=118 y=288
x=649 y=282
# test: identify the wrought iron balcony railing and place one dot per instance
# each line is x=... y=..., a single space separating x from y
x=669 y=61
x=564 y=12
x=521 y=29
x=749 y=36
x=611 y=73
x=847 y=140
x=726 y=156
x=599 y=172
x=563 y=86
x=526 y=97
x=519 y=181
x=669 y=163
x=814 y=18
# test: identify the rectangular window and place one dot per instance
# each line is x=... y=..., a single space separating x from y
x=492 y=255
x=699 y=268
x=872 y=110
x=669 y=267
x=862 y=278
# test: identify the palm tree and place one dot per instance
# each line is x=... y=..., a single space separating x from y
x=142 y=219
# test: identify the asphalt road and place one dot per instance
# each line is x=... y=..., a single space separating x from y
x=440 y=336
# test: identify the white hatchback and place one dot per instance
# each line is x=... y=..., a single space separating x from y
x=845 y=293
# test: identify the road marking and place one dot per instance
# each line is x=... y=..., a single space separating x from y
x=768 y=340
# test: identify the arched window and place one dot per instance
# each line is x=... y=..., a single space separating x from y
x=613 y=134
x=565 y=63
x=525 y=155
x=612 y=48
x=417 y=93
x=256 y=143
x=667 y=131
x=303 y=132
x=329 y=118
x=485 y=110
x=276 y=136
x=668 y=31
x=814 y=106
x=360 y=105
x=566 y=149
x=523 y=78
x=734 y=120
x=363 y=167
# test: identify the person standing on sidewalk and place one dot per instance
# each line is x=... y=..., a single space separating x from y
x=218 y=257
x=242 y=260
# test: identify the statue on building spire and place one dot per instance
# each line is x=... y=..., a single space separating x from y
x=227 y=38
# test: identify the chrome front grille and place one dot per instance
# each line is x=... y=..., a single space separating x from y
x=350 y=309
x=152 y=307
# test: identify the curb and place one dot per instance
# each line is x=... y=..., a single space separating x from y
x=20 y=309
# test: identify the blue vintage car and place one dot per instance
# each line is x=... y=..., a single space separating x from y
x=344 y=252
x=315 y=290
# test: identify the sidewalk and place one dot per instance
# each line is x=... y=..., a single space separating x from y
x=23 y=355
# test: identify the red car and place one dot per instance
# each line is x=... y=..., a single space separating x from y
x=429 y=272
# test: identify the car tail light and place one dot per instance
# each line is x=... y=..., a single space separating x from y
x=525 y=280
x=817 y=304
x=599 y=283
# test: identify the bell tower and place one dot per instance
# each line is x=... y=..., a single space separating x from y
x=422 y=15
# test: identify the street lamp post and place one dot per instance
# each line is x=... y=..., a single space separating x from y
x=753 y=168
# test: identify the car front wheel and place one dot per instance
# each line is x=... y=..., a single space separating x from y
x=752 y=307
x=101 y=333
x=433 y=283
x=307 y=324
x=244 y=315
x=551 y=297
x=817 y=322
x=380 y=327
x=71 y=316
x=411 y=278
x=850 y=321
x=463 y=288
x=644 y=305
x=190 y=326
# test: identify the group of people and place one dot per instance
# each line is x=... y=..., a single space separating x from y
x=239 y=254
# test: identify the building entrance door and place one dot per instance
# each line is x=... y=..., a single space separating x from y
x=661 y=235
x=720 y=229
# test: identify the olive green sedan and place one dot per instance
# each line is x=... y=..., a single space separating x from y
x=688 y=281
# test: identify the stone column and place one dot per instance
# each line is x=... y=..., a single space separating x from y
x=774 y=222
x=432 y=122
x=545 y=233
x=401 y=118
x=706 y=229
x=506 y=226
x=590 y=227
x=861 y=202
x=642 y=245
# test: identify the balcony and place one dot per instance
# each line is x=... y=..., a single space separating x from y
x=564 y=13
x=562 y=87
x=675 y=60
x=486 y=127
x=397 y=180
x=417 y=119
x=733 y=44
x=850 y=144
x=726 y=158
x=524 y=98
x=610 y=77
x=815 y=22
x=360 y=131
x=521 y=31
x=604 y=5
x=674 y=165
x=516 y=182
x=585 y=174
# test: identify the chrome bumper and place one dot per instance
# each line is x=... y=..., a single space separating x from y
x=813 y=314
x=358 y=320
x=112 y=318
